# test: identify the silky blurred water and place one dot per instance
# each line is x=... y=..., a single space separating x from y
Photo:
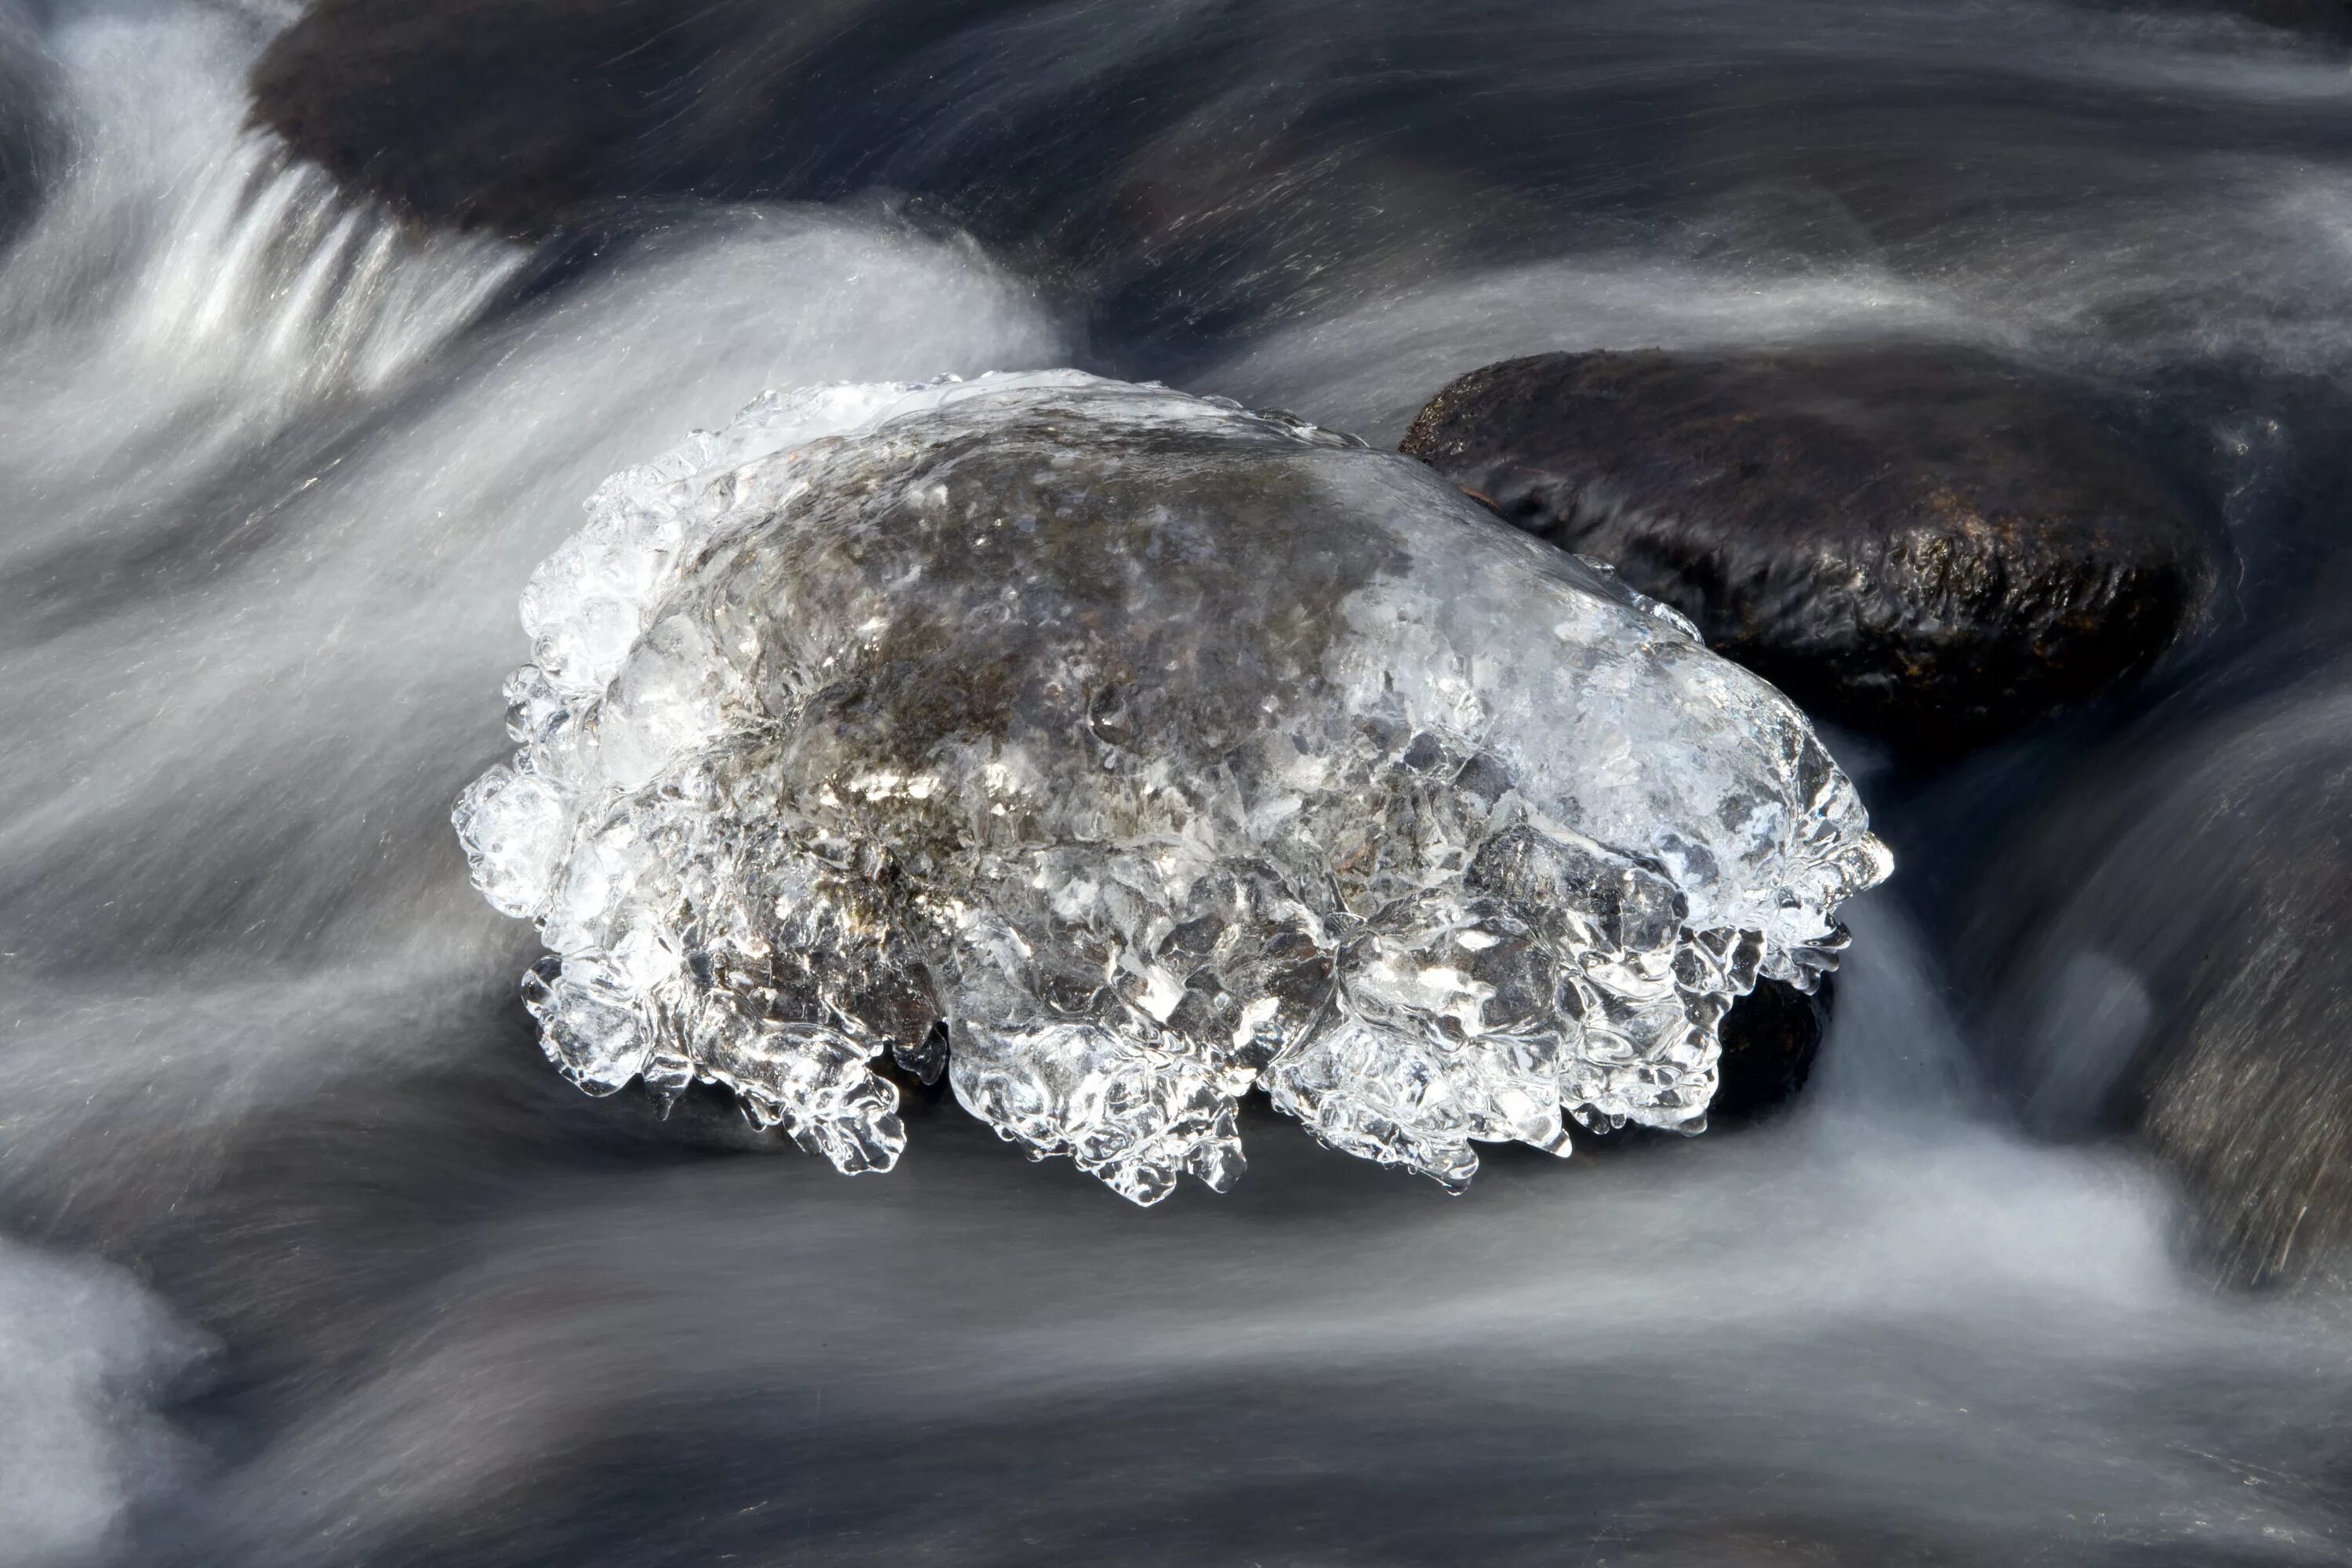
x=308 y=1258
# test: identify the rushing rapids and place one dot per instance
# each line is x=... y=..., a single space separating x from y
x=307 y=1256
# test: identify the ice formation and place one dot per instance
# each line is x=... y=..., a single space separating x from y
x=1159 y=751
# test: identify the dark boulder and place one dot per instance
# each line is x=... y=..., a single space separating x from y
x=1925 y=543
x=2166 y=953
x=526 y=116
x=1769 y=1041
x=1016 y=119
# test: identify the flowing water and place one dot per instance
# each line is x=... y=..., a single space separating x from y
x=307 y=1258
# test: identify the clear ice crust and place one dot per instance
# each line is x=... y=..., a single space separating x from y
x=1117 y=751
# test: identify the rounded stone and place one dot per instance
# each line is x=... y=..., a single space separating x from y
x=1925 y=542
x=2164 y=959
x=531 y=116
x=1771 y=1039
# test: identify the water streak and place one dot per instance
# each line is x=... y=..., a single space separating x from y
x=273 y=468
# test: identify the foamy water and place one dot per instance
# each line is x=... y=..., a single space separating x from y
x=310 y=1258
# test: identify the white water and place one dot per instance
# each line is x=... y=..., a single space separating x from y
x=275 y=470
x=329 y=1268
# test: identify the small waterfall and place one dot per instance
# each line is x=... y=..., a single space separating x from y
x=306 y=1257
x=181 y=267
x=274 y=277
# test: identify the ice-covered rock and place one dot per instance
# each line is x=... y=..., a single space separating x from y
x=1160 y=750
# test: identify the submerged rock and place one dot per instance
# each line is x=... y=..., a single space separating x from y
x=1770 y=1043
x=2168 y=949
x=1163 y=751
x=526 y=116
x=1925 y=542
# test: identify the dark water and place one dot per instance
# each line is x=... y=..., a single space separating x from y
x=310 y=1259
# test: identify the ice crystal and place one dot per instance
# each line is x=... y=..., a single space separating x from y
x=1119 y=752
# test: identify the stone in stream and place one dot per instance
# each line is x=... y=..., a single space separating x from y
x=529 y=116
x=1770 y=1043
x=2165 y=956
x=1928 y=543
x=1164 y=751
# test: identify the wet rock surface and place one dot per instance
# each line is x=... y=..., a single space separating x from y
x=2169 y=961
x=1770 y=1040
x=525 y=116
x=1925 y=543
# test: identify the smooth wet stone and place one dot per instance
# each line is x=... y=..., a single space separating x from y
x=529 y=116
x=1925 y=542
x=2166 y=958
x=1771 y=1039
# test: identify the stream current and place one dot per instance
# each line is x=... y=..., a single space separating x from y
x=307 y=1258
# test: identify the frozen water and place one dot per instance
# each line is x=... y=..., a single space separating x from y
x=1159 y=751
